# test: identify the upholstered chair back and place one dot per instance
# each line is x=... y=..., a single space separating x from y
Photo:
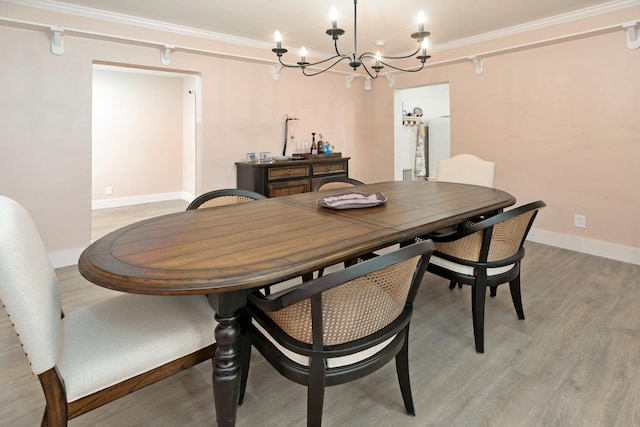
x=28 y=286
x=466 y=169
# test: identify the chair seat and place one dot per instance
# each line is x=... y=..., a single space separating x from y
x=166 y=328
x=332 y=362
x=467 y=269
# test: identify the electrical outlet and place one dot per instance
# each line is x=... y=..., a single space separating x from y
x=580 y=221
x=108 y=190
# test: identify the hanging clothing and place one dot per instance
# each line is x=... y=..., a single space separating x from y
x=421 y=167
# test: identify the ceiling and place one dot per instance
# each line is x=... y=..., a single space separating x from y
x=304 y=22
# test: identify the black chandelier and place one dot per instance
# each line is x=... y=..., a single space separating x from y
x=377 y=61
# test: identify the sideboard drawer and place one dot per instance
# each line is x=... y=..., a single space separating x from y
x=275 y=179
x=290 y=172
x=286 y=188
x=326 y=168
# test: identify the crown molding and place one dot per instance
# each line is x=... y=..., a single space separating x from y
x=88 y=12
x=540 y=23
x=119 y=18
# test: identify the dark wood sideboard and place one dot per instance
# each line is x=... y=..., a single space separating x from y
x=274 y=179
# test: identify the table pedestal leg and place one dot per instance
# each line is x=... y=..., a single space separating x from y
x=226 y=365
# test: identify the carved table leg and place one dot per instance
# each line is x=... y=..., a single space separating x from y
x=226 y=366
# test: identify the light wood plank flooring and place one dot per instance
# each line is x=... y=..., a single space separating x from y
x=575 y=360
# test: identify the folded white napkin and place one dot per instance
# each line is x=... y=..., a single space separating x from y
x=350 y=199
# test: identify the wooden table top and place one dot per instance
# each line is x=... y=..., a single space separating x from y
x=268 y=241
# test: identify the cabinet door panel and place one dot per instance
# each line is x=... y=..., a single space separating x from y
x=286 y=188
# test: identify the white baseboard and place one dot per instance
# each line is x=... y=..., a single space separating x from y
x=136 y=200
x=65 y=258
x=587 y=246
x=70 y=257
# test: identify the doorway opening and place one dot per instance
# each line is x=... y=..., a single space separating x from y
x=145 y=134
x=429 y=106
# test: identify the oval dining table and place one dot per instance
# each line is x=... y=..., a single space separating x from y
x=228 y=251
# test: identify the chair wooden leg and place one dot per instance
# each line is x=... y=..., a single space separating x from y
x=478 y=295
x=516 y=297
x=452 y=285
x=315 y=392
x=493 y=291
x=402 y=368
x=55 y=413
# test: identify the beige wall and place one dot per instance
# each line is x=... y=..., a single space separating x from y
x=136 y=134
x=559 y=120
x=562 y=124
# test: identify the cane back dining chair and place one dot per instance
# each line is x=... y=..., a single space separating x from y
x=333 y=182
x=225 y=197
x=99 y=353
x=485 y=255
x=230 y=196
x=340 y=327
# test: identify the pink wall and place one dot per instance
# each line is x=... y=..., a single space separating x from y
x=137 y=134
x=559 y=120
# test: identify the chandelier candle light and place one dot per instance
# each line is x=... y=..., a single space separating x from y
x=377 y=61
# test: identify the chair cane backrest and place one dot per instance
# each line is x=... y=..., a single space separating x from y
x=224 y=197
x=28 y=286
x=348 y=311
x=332 y=183
x=356 y=305
x=509 y=235
x=466 y=169
x=496 y=238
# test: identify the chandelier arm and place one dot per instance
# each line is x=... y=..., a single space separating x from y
x=368 y=72
x=313 y=64
x=341 y=58
x=370 y=55
x=287 y=65
x=335 y=45
x=404 y=69
x=323 y=70
x=404 y=57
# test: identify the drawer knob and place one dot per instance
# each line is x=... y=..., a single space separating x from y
x=288 y=171
x=330 y=168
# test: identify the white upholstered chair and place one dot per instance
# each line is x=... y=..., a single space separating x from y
x=466 y=169
x=101 y=352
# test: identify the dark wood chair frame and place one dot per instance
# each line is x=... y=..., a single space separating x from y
x=220 y=193
x=316 y=376
x=480 y=280
x=58 y=411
